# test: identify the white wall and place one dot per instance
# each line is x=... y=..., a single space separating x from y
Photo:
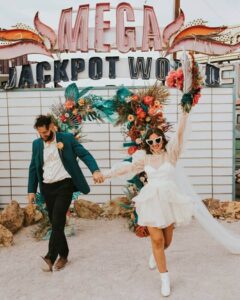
x=208 y=157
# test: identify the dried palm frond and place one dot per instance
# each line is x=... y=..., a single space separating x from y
x=158 y=91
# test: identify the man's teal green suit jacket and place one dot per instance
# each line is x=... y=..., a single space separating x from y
x=71 y=150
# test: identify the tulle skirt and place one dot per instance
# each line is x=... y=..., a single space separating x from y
x=161 y=203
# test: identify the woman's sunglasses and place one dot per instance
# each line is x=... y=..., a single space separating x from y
x=157 y=140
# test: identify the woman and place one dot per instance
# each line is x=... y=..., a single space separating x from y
x=160 y=205
x=168 y=200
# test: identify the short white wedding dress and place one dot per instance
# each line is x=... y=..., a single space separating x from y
x=168 y=197
x=160 y=202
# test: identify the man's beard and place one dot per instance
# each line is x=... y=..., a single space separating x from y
x=50 y=137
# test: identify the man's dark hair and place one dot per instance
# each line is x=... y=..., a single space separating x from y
x=42 y=121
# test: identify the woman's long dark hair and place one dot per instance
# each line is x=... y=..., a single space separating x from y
x=158 y=132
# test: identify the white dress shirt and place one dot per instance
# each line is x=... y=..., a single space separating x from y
x=53 y=169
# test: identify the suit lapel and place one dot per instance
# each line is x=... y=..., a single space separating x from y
x=58 y=139
x=41 y=152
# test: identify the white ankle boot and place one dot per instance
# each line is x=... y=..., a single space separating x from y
x=165 y=289
x=152 y=263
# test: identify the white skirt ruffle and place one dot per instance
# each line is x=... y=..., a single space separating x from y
x=160 y=204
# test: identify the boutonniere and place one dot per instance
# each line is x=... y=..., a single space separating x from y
x=60 y=145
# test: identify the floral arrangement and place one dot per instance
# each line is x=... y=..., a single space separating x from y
x=79 y=107
x=140 y=111
x=189 y=82
x=136 y=111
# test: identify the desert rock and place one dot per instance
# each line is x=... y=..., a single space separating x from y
x=86 y=209
x=6 y=237
x=12 y=217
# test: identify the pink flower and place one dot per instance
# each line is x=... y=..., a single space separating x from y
x=171 y=79
x=180 y=79
x=60 y=145
x=175 y=79
x=179 y=74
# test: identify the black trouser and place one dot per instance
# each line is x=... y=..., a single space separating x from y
x=58 y=196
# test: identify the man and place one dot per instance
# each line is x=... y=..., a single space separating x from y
x=54 y=168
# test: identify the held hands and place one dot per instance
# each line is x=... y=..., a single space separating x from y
x=98 y=177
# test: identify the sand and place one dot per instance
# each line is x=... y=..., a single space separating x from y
x=108 y=262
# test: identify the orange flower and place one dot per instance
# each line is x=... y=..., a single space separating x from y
x=152 y=111
x=140 y=113
x=157 y=104
x=75 y=112
x=81 y=101
x=132 y=149
x=148 y=100
x=69 y=104
x=134 y=97
x=130 y=118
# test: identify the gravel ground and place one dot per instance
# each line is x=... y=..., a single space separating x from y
x=108 y=262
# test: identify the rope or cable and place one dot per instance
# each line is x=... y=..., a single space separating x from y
x=213 y=9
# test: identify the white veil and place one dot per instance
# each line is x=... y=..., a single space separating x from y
x=228 y=239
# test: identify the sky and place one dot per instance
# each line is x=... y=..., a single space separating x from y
x=216 y=12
